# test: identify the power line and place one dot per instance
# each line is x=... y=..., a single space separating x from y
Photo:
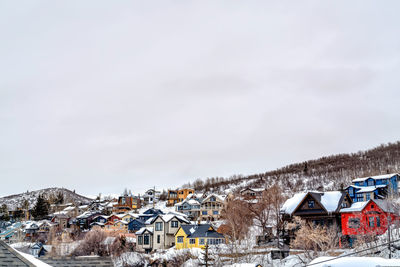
x=353 y=253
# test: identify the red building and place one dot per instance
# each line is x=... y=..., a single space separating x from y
x=367 y=218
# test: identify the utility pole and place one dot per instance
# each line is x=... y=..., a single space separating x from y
x=390 y=250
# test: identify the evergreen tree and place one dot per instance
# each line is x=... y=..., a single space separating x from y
x=4 y=215
x=41 y=208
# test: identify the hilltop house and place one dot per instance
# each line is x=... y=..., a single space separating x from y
x=197 y=236
x=211 y=207
x=176 y=196
x=367 y=218
x=151 y=196
x=126 y=203
x=159 y=232
x=373 y=187
x=251 y=193
x=320 y=208
x=84 y=220
x=189 y=207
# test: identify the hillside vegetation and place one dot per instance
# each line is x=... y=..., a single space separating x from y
x=15 y=201
x=329 y=172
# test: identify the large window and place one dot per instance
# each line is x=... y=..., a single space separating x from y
x=354 y=223
x=146 y=240
x=140 y=240
x=204 y=212
x=202 y=241
x=367 y=196
x=192 y=241
x=179 y=239
x=378 y=222
x=351 y=191
x=159 y=226
x=174 y=224
x=311 y=203
x=371 y=221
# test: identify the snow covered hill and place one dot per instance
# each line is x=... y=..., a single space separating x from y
x=15 y=201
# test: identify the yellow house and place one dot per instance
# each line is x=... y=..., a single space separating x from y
x=197 y=236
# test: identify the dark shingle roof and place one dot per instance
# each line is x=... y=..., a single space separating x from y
x=200 y=230
x=10 y=258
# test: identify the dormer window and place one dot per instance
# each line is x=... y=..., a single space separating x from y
x=370 y=182
x=311 y=203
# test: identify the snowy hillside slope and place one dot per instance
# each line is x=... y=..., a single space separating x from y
x=15 y=201
x=328 y=173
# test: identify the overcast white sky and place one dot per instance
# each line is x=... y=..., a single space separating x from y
x=97 y=96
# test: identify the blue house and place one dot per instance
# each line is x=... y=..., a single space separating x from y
x=150 y=213
x=135 y=225
x=373 y=187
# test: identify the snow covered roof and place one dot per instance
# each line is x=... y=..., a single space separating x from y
x=330 y=200
x=143 y=229
x=370 y=188
x=384 y=176
x=359 y=206
x=291 y=204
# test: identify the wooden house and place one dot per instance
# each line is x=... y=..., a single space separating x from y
x=252 y=193
x=126 y=204
x=367 y=218
x=163 y=228
x=319 y=208
x=211 y=207
x=172 y=197
x=189 y=207
x=374 y=187
x=197 y=236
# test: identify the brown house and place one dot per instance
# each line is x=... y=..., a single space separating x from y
x=319 y=208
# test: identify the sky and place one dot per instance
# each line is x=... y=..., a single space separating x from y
x=98 y=96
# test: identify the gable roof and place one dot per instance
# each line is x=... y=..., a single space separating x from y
x=200 y=230
x=376 y=177
x=359 y=206
x=10 y=257
x=329 y=201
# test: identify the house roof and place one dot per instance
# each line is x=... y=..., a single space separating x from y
x=330 y=201
x=144 y=229
x=10 y=257
x=200 y=230
x=384 y=176
x=359 y=206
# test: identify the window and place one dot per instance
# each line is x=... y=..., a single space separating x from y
x=204 y=212
x=370 y=182
x=344 y=205
x=354 y=223
x=201 y=241
x=158 y=226
x=378 y=222
x=212 y=199
x=192 y=241
x=174 y=224
x=372 y=206
x=371 y=221
x=158 y=239
x=351 y=191
x=180 y=239
x=215 y=212
x=146 y=240
x=367 y=196
x=140 y=240
x=311 y=203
